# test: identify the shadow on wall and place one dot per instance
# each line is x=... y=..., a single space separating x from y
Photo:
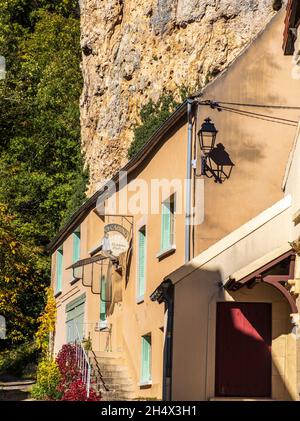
x=192 y=336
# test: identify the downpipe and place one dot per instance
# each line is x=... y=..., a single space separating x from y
x=188 y=182
x=168 y=349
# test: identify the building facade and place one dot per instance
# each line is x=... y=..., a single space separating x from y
x=164 y=209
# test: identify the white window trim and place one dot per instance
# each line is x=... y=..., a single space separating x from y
x=73 y=280
x=166 y=252
x=140 y=299
x=146 y=383
x=149 y=381
x=103 y=324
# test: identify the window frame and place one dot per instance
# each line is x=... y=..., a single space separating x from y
x=59 y=270
x=143 y=380
x=103 y=323
x=140 y=297
x=76 y=237
x=166 y=250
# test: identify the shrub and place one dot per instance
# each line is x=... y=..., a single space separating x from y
x=77 y=392
x=66 y=361
x=61 y=379
x=47 y=326
x=71 y=385
x=152 y=115
x=18 y=360
x=48 y=380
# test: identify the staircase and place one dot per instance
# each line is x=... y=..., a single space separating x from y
x=110 y=377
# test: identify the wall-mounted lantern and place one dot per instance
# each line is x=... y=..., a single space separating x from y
x=207 y=136
x=216 y=162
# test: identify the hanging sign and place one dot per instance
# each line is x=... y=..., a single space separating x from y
x=115 y=239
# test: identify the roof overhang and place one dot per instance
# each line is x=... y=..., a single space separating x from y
x=263 y=275
x=81 y=213
x=292 y=21
x=263 y=261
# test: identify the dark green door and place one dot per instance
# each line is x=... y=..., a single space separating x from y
x=75 y=318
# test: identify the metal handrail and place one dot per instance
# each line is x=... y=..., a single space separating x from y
x=82 y=361
x=95 y=332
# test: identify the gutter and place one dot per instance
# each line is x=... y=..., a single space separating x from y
x=187 y=252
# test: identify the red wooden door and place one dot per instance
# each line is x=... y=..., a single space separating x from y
x=243 y=349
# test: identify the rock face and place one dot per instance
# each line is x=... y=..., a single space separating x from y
x=133 y=49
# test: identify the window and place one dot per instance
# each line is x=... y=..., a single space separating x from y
x=146 y=360
x=76 y=245
x=103 y=315
x=141 y=276
x=59 y=269
x=167 y=224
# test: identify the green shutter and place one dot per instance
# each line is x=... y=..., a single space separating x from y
x=76 y=246
x=165 y=227
x=76 y=302
x=141 y=263
x=79 y=323
x=59 y=270
x=75 y=317
x=103 y=299
x=70 y=331
x=146 y=359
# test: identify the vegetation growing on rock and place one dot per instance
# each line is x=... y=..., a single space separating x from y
x=154 y=114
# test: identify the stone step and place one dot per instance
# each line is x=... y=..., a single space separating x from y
x=113 y=385
x=111 y=369
x=107 y=354
x=111 y=380
x=108 y=375
x=108 y=358
x=110 y=396
x=119 y=387
x=114 y=380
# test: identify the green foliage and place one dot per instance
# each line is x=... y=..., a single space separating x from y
x=152 y=115
x=41 y=166
x=18 y=360
x=47 y=325
x=48 y=379
x=42 y=179
x=22 y=277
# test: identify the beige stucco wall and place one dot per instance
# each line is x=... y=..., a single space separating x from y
x=197 y=292
x=258 y=148
x=198 y=287
x=195 y=379
x=130 y=320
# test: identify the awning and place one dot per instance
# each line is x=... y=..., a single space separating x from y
x=90 y=260
x=259 y=263
x=291 y=23
x=277 y=271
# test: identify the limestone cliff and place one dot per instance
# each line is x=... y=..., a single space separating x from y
x=132 y=49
